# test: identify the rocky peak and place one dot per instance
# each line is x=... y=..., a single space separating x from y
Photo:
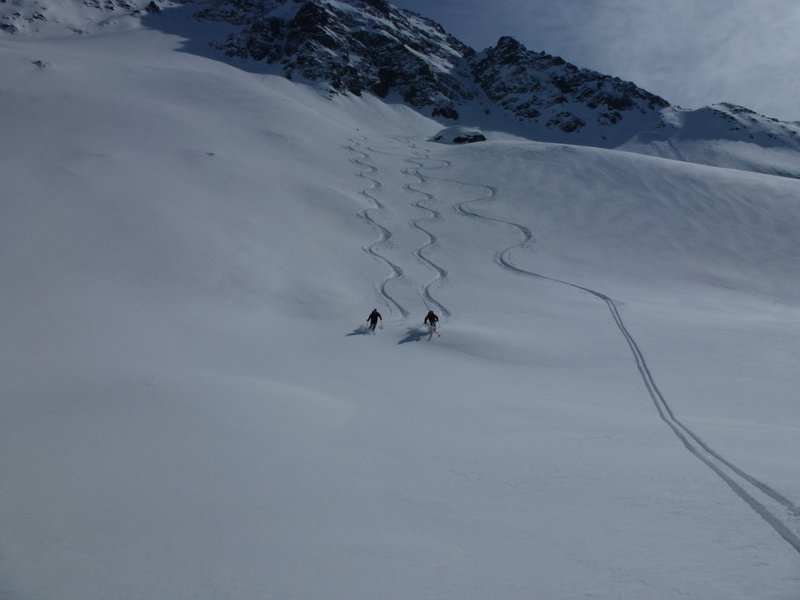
x=509 y=51
x=537 y=86
x=353 y=45
x=371 y=46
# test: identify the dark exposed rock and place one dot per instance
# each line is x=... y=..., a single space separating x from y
x=459 y=135
x=468 y=139
x=567 y=122
x=528 y=83
x=448 y=112
x=383 y=7
x=354 y=46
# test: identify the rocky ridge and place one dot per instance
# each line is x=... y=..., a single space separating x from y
x=355 y=46
x=371 y=46
x=543 y=89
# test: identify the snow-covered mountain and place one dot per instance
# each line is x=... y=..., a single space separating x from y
x=370 y=46
x=192 y=407
x=359 y=46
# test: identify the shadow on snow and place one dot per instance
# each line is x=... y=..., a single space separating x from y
x=361 y=330
x=415 y=334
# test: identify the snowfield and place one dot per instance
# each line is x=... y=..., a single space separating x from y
x=191 y=406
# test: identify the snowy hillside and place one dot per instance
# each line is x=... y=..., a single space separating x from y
x=191 y=405
x=724 y=135
x=49 y=17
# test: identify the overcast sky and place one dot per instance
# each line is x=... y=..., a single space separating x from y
x=691 y=52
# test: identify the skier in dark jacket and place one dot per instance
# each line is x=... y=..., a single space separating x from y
x=373 y=318
x=431 y=319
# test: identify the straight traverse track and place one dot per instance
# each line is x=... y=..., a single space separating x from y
x=781 y=513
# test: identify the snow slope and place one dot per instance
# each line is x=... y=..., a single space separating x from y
x=724 y=135
x=50 y=18
x=191 y=407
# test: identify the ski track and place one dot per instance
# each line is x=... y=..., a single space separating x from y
x=432 y=215
x=441 y=273
x=781 y=513
x=384 y=234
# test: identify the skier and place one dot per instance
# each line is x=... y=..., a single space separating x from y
x=431 y=319
x=373 y=318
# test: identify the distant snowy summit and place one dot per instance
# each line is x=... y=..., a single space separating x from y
x=724 y=135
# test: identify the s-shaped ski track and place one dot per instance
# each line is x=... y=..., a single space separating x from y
x=384 y=234
x=780 y=512
x=433 y=215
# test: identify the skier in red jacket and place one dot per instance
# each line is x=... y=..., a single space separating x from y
x=431 y=320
